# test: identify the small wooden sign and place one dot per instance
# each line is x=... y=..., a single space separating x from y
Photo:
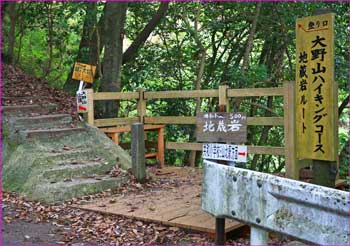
x=84 y=72
x=226 y=152
x=316 y=89
x=222 y=127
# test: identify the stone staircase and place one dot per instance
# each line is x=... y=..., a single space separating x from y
x=48 y=157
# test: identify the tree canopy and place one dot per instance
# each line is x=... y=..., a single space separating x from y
x=175 y=46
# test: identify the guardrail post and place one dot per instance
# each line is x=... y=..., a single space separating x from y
x=220 y=236
x=138 y=151
x=258 y=236
x=141 y=105
x=90 y=106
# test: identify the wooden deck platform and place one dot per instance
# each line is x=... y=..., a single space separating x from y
x=177 y=205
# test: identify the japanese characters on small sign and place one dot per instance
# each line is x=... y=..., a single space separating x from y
x=316 y=90
x=222 y=127
x=226 y=152
x=82 y=101
x=84 y=72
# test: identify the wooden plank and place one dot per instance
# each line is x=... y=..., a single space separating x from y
x=115 y=121
x=265 y=121
x=255 y=92
x=180 y=94
x=183 y=146
x=99 y=96
x=128 y=128
x=179 y=120
x=151 y=154
x=178 y=209
x=264 y=150
x=190 y=120
x=179 y=206
x=196 y=222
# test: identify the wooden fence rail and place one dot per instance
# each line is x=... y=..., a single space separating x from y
x=224 y=94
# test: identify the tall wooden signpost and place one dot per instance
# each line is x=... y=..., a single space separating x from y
x=222 y=127
x=316 y=96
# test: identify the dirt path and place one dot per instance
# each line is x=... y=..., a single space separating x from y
x=15 y=230
x=26 y=222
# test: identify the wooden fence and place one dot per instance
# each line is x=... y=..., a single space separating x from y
x=224 y=94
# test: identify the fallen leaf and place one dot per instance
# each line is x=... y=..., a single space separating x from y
x=160 y=228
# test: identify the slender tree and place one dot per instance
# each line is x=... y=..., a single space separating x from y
x=11 y=48
x=86 y=45
x=115 y=15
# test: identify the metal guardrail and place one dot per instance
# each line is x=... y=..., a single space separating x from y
x=308 y=212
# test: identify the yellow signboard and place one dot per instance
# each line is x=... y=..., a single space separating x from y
x=316 y=90
x=84 y=72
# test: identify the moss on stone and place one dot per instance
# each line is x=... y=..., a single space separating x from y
x=27 y=165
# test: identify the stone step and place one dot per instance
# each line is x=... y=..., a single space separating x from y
x=22 y=100
x=49 y=133
x=69 y=170
x=41 y=122
x=28 y=109
x=67 y=157
x=77 y=187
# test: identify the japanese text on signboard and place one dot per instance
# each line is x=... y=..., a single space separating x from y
x=84 y=72
x=315 y=88
x=227 y=152
x=222 y=127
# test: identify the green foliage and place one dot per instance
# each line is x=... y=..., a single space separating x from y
x=170 y=58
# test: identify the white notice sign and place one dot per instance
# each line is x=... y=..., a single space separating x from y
x=226 y=152
x=82 y=101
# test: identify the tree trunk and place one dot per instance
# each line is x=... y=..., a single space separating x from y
x=142 y=37
x=247 y=52
x=343 y=105
x=96 y=45
x=11 y=38
x=200 y=72
x=71 y=85
x=115 y=16
x=47 y=68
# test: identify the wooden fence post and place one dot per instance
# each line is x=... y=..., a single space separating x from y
x=292 y=163
x=90 y=111
x=223 y=99
x=141 y=105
